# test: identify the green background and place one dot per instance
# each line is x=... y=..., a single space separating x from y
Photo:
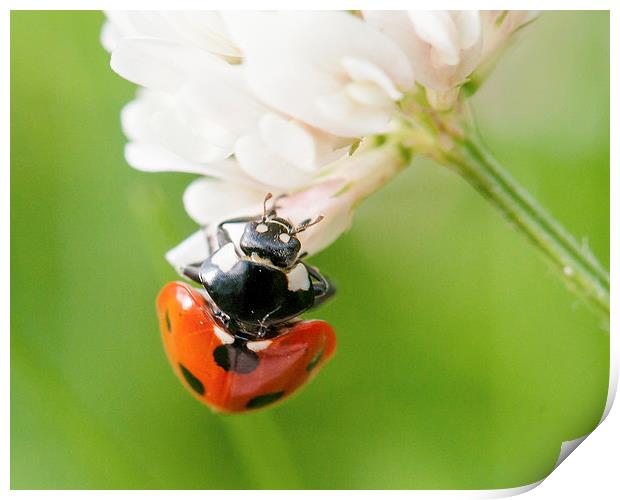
x=463 y=361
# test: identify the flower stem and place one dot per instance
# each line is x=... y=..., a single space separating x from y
x=578 y=266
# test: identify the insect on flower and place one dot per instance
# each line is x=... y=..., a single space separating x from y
x=255 y=102
x=238 y=344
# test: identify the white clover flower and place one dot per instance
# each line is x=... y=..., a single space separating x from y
x=259 y=102
x=196 y=110
x=323 y=108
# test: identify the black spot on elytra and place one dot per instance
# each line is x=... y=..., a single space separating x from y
x=235 y=357
x=168 y=325
x=264 y=400
x=193 y=382
x=314 y=361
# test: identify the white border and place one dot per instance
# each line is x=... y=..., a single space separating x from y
x=307 y=4
x=591 y=472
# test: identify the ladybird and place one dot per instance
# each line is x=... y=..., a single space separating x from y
x=237 y=344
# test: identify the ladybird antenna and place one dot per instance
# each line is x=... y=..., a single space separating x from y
x=268 y=196
x=306 y=224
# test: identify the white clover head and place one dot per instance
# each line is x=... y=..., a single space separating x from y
x=287 y=102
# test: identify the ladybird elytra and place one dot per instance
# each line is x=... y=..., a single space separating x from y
x=233 y=375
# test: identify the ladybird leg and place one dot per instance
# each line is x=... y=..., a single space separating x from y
x=323 y=288
x=222 y=316
x=263 y=326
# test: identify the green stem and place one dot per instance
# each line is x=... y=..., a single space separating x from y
x=577 y=265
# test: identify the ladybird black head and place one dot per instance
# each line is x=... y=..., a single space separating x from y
x=273 y=238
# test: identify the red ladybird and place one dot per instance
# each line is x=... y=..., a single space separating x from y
x=238 y=344
x=231 y=374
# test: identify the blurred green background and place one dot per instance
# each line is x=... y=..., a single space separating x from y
x=463 y=361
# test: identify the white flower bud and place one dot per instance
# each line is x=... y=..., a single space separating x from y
x=443 y=47
x=446 y=47
x=499 y=25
